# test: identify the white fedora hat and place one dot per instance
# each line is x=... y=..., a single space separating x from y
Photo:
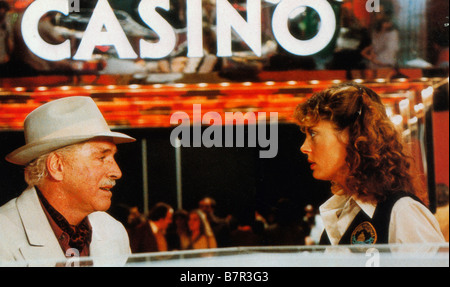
x=61 y=123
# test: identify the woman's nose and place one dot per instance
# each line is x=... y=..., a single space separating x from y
x=305 y=148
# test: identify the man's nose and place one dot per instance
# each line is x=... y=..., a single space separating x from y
x=115 y=172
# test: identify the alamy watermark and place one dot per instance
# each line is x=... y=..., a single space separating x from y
x=73 y=256
x=373 y=6
x=261 y=130
x=374 y=257
x=74 y=6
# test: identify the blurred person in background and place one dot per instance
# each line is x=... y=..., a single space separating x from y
x=246 y=230
x=312 y=225
x=178 y=235
x=202 y=236
x=383 y=52
x=220 y=226
x=129 y=216
x=150 y=236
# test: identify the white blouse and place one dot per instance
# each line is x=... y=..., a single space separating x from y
x=411 y=222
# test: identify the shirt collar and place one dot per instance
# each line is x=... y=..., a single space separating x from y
x=338 y=213
x=367 y=207
x=79 y=236
x=337 y=203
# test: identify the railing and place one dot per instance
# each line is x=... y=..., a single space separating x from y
x=393 y=255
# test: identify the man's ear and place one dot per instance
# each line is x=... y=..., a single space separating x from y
x=55 y=166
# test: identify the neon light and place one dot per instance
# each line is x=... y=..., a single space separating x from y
x=154 y=20
x=104 y=29
x=304 y=47
x=30 y=30
x=103 y=17
x=228 y=17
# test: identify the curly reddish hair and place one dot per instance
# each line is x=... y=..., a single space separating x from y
x=377 y=159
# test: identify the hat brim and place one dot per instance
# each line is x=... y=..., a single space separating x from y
x=29 y=152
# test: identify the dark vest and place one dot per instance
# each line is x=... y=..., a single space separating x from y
x=366 y=230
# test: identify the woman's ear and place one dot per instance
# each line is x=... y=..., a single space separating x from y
x=344 y=135
x=55 y=166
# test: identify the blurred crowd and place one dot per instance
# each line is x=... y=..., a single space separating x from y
x=286 y=224
x=166 y=229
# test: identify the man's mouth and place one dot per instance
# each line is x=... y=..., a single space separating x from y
x=108 y=185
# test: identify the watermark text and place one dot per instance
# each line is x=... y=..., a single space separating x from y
x=236 y=129
x=373 y=6
x=74 y=6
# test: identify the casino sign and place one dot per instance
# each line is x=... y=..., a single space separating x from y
x=104 y=29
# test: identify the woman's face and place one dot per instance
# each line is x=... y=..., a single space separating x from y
x=326 y=151
x=194 y=222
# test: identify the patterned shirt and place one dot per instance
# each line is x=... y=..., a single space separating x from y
x=74 y=240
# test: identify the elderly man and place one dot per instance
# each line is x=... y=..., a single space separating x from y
x=70 y=169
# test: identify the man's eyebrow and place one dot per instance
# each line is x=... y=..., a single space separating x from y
x=107 y=150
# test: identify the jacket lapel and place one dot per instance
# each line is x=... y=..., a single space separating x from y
x=41 y=239
x=104 y=250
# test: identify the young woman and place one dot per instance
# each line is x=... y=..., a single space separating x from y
x=351 y=142
x=202 y=236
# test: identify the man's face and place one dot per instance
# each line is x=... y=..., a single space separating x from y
x=90 y=173
x=206 y=206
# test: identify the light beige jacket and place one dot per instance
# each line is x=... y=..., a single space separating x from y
x=26 y=237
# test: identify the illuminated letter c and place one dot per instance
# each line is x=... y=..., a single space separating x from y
x=30 y=31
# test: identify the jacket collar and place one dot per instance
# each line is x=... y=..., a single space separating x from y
x=38 y=231
x=42 y=242
x=35 y=223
